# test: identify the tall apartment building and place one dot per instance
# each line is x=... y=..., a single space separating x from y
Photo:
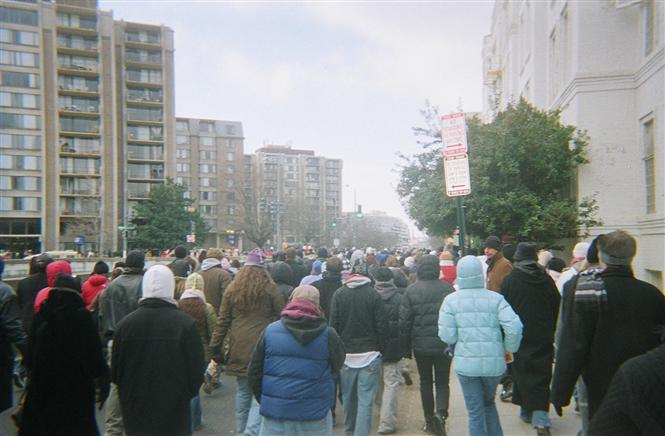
x=303 y=191
x=210 y=161
x=87 y=122
x=602 y=64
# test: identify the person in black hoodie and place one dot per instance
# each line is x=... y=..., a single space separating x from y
x=533 y=295
x=418 y=326
x=392 y=351
x=29 y=287
x=330 y=282
x=282 y=274
x=615 y=317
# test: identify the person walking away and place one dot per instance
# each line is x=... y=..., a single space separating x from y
x=357 y=313
x=95 y=283
x=52 y=271
x=193 y=303
x=27 y=289
x=65 y=364
x=11 y=333
x=283 y=276
x=615 y=317
x=181 y=266
x=315 y=274
x=485 y=331
x=331 y=281
x=216 y=278
x=393 y=349
x=291 y=371
x=297 y=266
x=119 y=299
x=418 y=325
x=533 y=296
x=498 y=267
x=448 y=272
x=251 y=302
x=157 y=361
x=577 y=264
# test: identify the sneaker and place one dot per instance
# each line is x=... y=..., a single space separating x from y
x=439 y=425
x=506 y=394
x=407 y=378
x=427 y=428
x=386 y=431
x=543 y=431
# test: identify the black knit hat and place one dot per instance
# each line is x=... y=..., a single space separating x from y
x=526 y=251
x=493 y=242
x=509 y=252
x=592 y=251
x=180 y=252
x=135 y=259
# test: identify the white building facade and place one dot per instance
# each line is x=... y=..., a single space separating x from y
x=602 y=64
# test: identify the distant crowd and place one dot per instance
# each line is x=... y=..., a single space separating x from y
x=304 y=330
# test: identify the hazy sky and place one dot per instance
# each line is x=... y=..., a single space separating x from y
x=345 y=79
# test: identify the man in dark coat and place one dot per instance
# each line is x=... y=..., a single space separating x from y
x=29 y=287
x=181 y=266
x=330 y=282
x=615 y=317
x=157 y=361
x=64 y=362
x=534 y=297
x=418 y=325
x=282 y=276
x=297 y=266
x=358 y=315
x=11 y=332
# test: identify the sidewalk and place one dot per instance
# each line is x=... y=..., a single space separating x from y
x=411 y=420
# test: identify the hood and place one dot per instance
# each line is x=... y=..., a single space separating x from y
x=386 y=289
x=428 y=267
x=305 y=329
x=356 y=281
x=301 y=308
x=159 y=282
x=470 y=273
x=531 y=272
x=281 y=272
x=210 y=262
x=55 y=268
x=401 y=281
x=97 y=280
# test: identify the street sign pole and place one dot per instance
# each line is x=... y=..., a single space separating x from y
x=462 y=225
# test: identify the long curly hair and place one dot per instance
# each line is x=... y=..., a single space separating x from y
x=247 y=291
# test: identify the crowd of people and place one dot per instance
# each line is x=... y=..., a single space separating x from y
x=301 y=333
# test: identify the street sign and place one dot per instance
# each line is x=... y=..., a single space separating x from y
x=191 y=238
x=79 y=240
x=453 y=134
x=458 y=177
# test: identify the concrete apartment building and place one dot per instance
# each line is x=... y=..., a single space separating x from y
x=602 y=64
x=302 y=191
x=87 y=115
x=209 y=160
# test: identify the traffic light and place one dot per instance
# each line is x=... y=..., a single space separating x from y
x=334 y=224
x=359 y=213
x=231 y=239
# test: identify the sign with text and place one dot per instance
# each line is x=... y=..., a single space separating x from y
x=453 y=134
x=191 y=238
x=458 y=177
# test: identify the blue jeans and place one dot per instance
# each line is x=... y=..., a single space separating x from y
x=537 y=418
x=359 y=387
x=276 y=427
x=248 y=419
x=195 y=406
x=479 y=393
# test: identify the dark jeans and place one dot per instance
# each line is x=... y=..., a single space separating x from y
x=434 y=370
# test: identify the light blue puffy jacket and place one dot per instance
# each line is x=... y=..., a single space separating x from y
x=472 y=318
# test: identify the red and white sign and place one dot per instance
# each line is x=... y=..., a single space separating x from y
x=453 y=134
x=458 y=177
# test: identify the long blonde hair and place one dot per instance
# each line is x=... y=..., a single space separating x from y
x=248 y=289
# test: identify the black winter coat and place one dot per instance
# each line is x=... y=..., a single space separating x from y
x=11 y=332
x=299 y=271
x=158 y=365
x=534 y=297
x=359 y=317
x=327 y=286
x=63 y=360
x=605 y=329
x=419 y=311
x=393 y=350
x=26 y=292
x=283 y=276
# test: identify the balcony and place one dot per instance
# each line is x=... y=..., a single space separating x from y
x=81 y=150
x=148 y=60
x=141 y=174
x=72 y=171
x=149 y=155
x=78 y=90
x=69 y=191
x=80 y=211
x=79 y=70
x=77 y=46
x=74 y=110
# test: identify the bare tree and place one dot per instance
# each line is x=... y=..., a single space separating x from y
x=257 y=222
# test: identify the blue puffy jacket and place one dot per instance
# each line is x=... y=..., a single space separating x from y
x=473 y=319
x=297 y=381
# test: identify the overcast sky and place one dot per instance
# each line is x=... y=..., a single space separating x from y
x=346 y=80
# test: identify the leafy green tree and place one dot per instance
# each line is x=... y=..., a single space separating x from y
x=523 y=168
x=165 y=219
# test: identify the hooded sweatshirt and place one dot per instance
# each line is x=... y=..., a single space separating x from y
x=159 y=282
x=52 y=271
x=392 y=298
x=282 y=274
x=210 y=262
x=92 y=287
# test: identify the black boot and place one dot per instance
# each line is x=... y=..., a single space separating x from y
x=439 y=424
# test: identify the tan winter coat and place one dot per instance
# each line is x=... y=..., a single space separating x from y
x=216 y=281
x=499 y=268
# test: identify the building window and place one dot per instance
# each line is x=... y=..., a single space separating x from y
x=144 y=114
x=20 y=37
x=230 y=169
x=206 y=127
x=82 y=125
x=78 y=62
x=18 y=121
x=205 y=155
x=207 y=168
x=18 y=16
x=78 y=104
x=649 y=166
x=19 y=100
x=208 y=195
x=19 y=80
x=144 y=75
x=182 y=126
x=230 y=156
x=77 y=83
x=207 y=182
x=19 y=58
x=230 y=183
x=207 y=140
x=230 y=210
x=208 y=209
x=185 y=181
x=21 y=142
x=182 y=153
x=77 y=42
x=183 y=168
x=70 y=165
x=145 y=133
x=230 y=129
x=649 y=26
